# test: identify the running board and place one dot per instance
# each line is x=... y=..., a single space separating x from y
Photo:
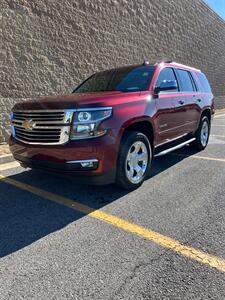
x=175 y=147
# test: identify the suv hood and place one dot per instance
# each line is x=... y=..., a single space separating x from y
x=81 y=100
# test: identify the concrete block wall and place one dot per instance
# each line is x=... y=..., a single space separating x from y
x=6 y=105
x=220 y=102
x=50 y=46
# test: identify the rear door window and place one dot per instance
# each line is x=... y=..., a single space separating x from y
x=186 y=83
x=193 y=82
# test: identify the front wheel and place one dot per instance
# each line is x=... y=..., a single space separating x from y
x=202 y=134
x=134 y=160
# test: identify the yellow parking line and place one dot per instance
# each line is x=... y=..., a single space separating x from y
x=157 y=238
x=10 y=165
x=219 y=115
x=199 y=157
x=217 y=135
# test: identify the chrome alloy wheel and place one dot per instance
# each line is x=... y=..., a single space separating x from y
x=136 y=162
x=204 y=133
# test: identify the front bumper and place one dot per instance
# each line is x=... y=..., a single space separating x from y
x=67 y=158
x=82 y=176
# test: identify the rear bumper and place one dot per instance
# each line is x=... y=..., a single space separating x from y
x=67 y=158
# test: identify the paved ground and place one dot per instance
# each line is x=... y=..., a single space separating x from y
x=165 y=240
x=4 y=149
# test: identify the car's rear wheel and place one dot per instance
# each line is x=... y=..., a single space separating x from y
x=134 y=160
x=202 y=134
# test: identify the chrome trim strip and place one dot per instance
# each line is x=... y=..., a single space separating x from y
x=34 y=143
x=81 y=161
x=42 y=127
x=56 y=122
x=37 y=136
x=38 y=110
x=175 y=147
x=172 y=140
x=185 y=124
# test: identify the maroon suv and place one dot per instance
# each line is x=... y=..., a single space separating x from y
x=113 y=124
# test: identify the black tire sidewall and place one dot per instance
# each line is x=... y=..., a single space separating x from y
x=198 y=133
x=127 y=141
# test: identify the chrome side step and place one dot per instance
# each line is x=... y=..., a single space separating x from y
x=175 y=147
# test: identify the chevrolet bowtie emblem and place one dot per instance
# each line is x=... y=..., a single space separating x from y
x=28 y=124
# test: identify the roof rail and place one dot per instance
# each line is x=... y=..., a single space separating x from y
x=163 y=61
x=180 y=65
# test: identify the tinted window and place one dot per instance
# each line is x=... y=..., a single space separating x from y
x=166 y=74
x=193 y=82
x=185 y=81
x=204 y=83
x=95 y=83
x=129 y=79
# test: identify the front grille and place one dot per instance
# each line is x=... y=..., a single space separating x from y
x=42 y=135
x=39 y=116
x=41 y=127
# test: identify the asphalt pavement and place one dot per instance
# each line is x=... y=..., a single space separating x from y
x=166 y=240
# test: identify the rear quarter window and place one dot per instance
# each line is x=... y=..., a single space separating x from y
x=205 y=86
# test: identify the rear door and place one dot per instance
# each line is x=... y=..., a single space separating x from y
x=191 y=97
x=170 y=115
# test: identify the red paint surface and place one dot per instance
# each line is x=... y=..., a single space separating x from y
x=168 y=118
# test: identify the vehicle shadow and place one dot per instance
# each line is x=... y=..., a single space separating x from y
x=25 y=218
x=163 y=163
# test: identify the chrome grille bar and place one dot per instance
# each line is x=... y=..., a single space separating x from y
x=41 y=127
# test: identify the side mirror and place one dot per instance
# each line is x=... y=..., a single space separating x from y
x=166 y=85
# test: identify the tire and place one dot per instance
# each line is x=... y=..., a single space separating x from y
x=133 y=165
x=202 y=134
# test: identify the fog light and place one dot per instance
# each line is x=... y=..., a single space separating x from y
x=88 y=164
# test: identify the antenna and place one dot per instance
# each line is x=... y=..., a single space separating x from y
x=146 y=63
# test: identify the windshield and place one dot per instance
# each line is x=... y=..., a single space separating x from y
x=127 y=79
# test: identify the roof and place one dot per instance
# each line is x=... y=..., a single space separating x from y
x=175 y=64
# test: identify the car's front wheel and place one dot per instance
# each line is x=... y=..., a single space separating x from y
x=134 y=160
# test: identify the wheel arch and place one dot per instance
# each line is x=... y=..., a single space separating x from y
x=206 y=112
x=143 y=125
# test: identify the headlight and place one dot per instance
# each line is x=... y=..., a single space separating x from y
x=84 y=116
x=86 y=122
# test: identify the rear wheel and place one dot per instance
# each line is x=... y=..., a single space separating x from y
x=202 y=134
x=134 y=160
